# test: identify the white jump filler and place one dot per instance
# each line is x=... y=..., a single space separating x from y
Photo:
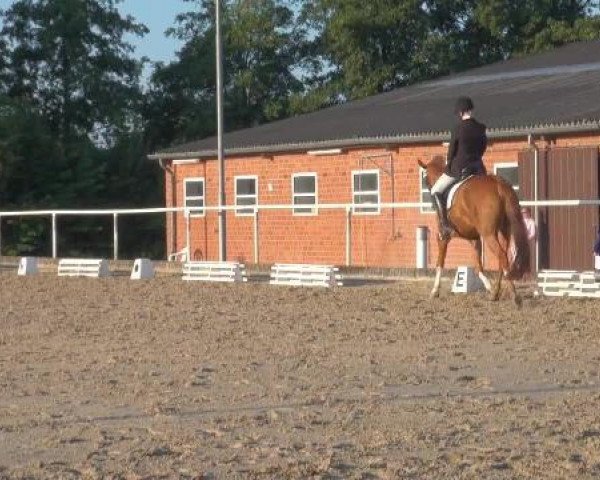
x=142 y=268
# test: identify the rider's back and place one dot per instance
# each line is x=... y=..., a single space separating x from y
x=468 y=143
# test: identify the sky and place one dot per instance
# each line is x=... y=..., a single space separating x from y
x=157 y=15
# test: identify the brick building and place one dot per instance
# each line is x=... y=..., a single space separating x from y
x=365 y=152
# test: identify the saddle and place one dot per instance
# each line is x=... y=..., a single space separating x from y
x=465 y=174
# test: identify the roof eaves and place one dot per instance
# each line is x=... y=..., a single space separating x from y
x=303 y=146
x=584 y=126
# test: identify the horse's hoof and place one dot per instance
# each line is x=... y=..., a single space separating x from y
x=434 y=294
x=494 y=298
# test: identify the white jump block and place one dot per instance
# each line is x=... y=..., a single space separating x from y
x=569 y=283
x=557 y=283
x=83 y=267
x=142 y=268
x=28 y=266
x=305 y=275
x=466 y=281
x=589 y=285
x=215 y=271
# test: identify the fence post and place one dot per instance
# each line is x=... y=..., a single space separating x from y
x=348 y=236
x=421 y=249
x=115 y=236
x=188 y=256
x=54 y=237
x=536 y=213
x=256 y=236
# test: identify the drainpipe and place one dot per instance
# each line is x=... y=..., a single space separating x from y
x=536 y=210
x=171 y=216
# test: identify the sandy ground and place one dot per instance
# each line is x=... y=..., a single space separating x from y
x=165 y=379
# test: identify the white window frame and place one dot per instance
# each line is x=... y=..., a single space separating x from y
x=376 y=207
x=187 y=197
x=314 y=209
x=517 y=187
x=422 y=190
x=255 y=196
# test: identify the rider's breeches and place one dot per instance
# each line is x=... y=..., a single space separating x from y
x=442 y=184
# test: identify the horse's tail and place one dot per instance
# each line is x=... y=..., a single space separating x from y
x=519 y=264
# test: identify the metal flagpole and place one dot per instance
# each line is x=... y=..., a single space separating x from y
x=219 y=61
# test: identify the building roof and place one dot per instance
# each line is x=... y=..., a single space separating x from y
x=552 y=92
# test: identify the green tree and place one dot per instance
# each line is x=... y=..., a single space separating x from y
x=260 y=54
x=70 y=124
x=369 y=47
x=28 y=152
x=533 y=25
x=70 y=59
x=3 y=69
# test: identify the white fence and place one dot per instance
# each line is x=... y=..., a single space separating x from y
x=348 y=208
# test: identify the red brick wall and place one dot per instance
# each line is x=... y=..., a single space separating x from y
x=386 y=239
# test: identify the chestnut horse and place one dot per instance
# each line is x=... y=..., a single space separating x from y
x=485 y=207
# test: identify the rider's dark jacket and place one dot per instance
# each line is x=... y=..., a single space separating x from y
x=467 y=145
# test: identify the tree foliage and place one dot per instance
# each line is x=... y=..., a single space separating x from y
x=69 y=58
x=71 y=97
x=370 y=47
x=261 y=45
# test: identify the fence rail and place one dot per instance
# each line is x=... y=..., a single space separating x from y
x=348 y=208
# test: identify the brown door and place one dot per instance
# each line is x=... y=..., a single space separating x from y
x=566 y=233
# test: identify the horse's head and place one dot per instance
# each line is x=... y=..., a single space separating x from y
x=433 y=169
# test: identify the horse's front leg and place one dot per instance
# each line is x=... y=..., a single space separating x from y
x=478 y=249
x=442 y=250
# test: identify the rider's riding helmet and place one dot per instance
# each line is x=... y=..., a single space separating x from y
x=463 y=104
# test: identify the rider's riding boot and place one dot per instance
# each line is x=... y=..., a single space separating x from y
x=444 y=226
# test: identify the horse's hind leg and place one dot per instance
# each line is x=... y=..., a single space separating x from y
x=477 y=246
x=507 y=246
x=516 y=297
x=494 y=244
x=442 y=249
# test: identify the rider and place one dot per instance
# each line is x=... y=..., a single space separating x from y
x=467 y=145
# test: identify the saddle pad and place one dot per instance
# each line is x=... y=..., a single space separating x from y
x=453 y=189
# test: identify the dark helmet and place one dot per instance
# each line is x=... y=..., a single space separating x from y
x=463 y=104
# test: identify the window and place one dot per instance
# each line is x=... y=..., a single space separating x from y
x=510 y=173
x=425 y=192
x=246 y=193
x=193 y=191
x=304 y=192
x=365 y=191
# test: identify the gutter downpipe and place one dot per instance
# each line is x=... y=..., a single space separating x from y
x=536 y=210
x=171 y=217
